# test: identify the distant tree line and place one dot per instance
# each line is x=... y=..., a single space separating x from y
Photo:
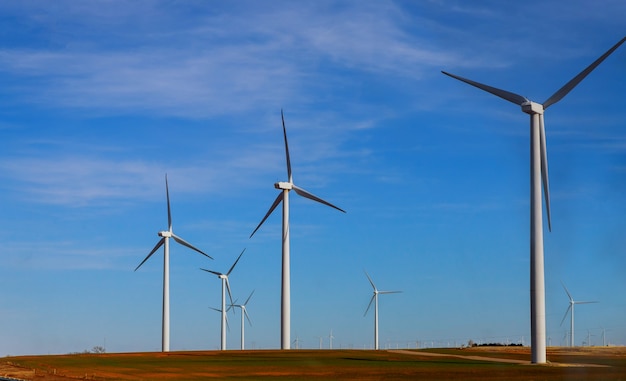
x=471 y=343
x=96 y=349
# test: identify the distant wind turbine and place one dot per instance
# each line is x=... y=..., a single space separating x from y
x=538 y=175
x=589 y=338
x=330 y=339
x=244 y=312
x=283 y=196
x=222 y=315
x=604 y=337
x=375 y=300
x=165 y=242
x=297 y=342
x=570 y=308
x=225 y=287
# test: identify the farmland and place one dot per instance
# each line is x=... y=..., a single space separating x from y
x=441 y=364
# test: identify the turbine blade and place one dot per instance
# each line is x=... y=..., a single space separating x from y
x=235 y=264
x=370 y=279
x=389 y=292
x=544 y=169
x=563 y=91
x=511 y=97
x=212 y=272
x=169 y=211
x=274 y=205
x=282 y=116
x=161 y=242
x=247 y=300
x=564 y=316
x=220 y=311
x=185 y=243
x=230 y=294
x=369 y=305
x=585 y=302
x=310 y=196
x=567 y=291
x=247 y=316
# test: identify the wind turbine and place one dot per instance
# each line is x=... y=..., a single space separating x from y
x=244 y=312
x=572 y=303
x=225 y=286
x=375 y=299
x=604 y=337
x=297 y=342
x=589 y=338
x=285 y=187
x=538 y=174
x=165 y=242
x=330 y=339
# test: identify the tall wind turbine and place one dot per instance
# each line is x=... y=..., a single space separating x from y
x=165 y=242
x=225 y=287
x=570 y=308
x=538 y=174
x=375 y=300
x=244 y=312
x=285 y=187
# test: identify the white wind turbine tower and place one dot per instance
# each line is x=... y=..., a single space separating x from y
x=538 y=174
x=330 y=339
x=244 y=312
x=375 y=300
x=225 y=287
x=285 y=187
x=165 y=242
x=570 y=309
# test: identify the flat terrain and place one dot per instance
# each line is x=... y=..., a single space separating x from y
x=485 y=363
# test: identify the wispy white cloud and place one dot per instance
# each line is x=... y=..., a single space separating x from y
x=166 y=83
x=79 y=181
x=227 y=61
x=66 y=255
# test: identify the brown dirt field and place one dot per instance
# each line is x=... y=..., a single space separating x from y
x=482 y=363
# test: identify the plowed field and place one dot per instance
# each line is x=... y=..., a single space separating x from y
x=433 y=364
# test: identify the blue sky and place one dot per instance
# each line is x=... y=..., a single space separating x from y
x=100 y=99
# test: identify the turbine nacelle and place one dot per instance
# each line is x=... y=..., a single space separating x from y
x=530 y=107
x=165 y=234
x=283 y=185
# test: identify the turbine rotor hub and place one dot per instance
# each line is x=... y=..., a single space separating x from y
x=531 y=107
